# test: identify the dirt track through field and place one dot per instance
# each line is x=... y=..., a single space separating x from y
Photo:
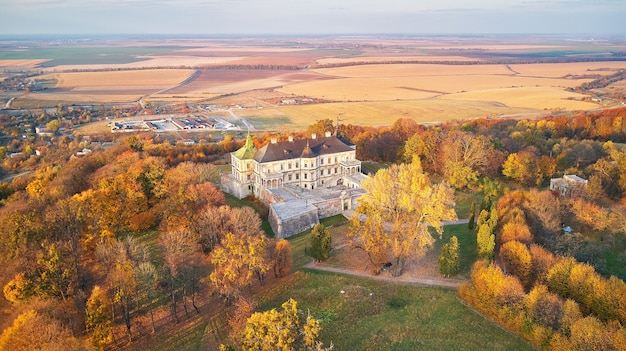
x=386 y=276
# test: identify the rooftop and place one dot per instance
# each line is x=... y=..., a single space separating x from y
x=286 y=150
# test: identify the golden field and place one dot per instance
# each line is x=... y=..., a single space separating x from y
x=21 y=63
x=248 y=74
x=378 y=113
x=391 y=59
x=558 y=70
x=121 y=79
x=529 y=97
x=152 y=62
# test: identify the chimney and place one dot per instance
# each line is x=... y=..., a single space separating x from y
x=291 y=138
x=313 y=136
x=327 y=134
x=273 y=140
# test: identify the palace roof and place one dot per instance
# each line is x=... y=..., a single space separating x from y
x=304 y=148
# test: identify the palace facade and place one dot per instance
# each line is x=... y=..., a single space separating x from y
x=301 y=181
x=307 y=163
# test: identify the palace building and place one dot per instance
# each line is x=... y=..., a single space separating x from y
x=302 y=172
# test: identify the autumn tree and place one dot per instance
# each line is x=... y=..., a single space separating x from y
x=485 y=234
x=98 y=319
x=399 y=206
x=521 y=167
x=471 y=223
x=449 y=257
x=53 y=125
x=543 y=210
x=54 y=278
x=212 y=223
x=516 y=259
x=465 y=156
x=37 y=330
x=147 y=279
x=545 y=308
x=242 y=309
x=542 y=261
x=515 y=230
x=179 y=250
x=284 y=330
x=237 y=260
x=282 y=258
x=492 y=189
x=321 y=243
x=321 y=126
x=414 y=146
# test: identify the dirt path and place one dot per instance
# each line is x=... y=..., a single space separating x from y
x=386 y=276
x=424 y=271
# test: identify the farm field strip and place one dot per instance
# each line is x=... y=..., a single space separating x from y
x=386 y=112
x=416 y=87
x=530 y=97
x=161 y=77
x=381 y=59
x=557 y=70
x=151 y=62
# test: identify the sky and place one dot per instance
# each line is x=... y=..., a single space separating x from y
x=302 y=17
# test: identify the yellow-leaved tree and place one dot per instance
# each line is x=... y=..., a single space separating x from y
x=284 y=330
x=392 y=219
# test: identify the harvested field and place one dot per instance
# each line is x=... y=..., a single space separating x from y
x=527 y=97
x=222 y=81
x=416 y=87
x=392 y=59
x=123 y=79
x=72 y=97
x=412 y=70
x=386 y=112
x=151 y=62
x=22 y=63
x=368 y=94
x=557 y=70
x=363 y=89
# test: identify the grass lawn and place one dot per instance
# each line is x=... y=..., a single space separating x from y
x=464 y=199
x=467 y=244
x=374 y=315
x=300 y=242
x=372 y=167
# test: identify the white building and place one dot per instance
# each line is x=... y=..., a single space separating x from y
x=569 y=184
x=309 y=164
x=300 y=180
